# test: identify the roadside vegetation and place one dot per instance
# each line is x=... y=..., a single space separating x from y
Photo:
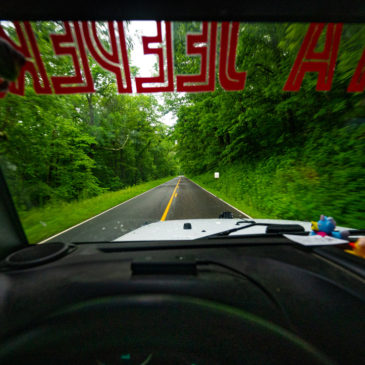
x=63 y=156
x=43 y=222
x=289 y=155
x=289 y=189
x=67 y=147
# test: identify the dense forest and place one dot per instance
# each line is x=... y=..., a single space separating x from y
x=281 y=154
x=291 y=155
x=66 y=147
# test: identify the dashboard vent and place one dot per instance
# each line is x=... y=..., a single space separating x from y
x=37 y=254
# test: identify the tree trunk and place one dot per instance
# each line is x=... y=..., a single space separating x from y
x=89 y=98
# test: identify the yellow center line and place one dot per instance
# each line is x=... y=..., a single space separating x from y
x=170 y=201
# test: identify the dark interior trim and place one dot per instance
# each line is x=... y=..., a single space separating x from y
x=12 y=236
x=244 y=10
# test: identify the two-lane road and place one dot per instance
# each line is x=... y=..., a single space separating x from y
x=178 y=198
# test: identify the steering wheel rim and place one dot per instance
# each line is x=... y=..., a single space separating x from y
x=208 y=330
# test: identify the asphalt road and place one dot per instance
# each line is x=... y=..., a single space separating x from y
x=178 y=198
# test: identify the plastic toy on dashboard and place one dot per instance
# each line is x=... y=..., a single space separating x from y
x=358 y=247
x=326 y=227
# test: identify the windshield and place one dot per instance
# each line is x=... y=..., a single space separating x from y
x=111 y=126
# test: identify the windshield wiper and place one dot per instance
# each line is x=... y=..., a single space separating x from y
x=272 y=228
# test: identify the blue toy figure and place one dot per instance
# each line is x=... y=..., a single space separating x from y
x=326 y=227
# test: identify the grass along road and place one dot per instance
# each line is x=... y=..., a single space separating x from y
x=41 y=223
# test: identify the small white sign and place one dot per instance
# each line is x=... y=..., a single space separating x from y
x=315 y=240
x=216 y=175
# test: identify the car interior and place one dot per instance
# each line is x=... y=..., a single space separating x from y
x=217 y=300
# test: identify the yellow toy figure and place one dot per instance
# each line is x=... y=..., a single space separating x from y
x=358 y=248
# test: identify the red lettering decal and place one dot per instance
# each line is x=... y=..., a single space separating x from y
x=110 y=61
x=34 y=64
x=308 y=60
x=229 y=78
x=159 y=52
x=205 y=81
x=79 y=85
x=357 y=83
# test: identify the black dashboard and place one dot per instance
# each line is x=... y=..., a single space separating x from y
x=203 y=303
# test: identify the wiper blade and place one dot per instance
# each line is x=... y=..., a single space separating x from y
x=272 y=228
x=356 y=232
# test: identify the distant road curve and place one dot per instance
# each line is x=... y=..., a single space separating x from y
x=179 y=198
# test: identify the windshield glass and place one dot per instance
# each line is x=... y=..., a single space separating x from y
x=110 y=126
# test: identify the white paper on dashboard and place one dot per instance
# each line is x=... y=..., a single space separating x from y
x=315 y=240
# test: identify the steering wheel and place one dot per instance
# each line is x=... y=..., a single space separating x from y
x=156 y=329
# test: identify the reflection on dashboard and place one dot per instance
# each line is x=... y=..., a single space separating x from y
x=153 y=358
